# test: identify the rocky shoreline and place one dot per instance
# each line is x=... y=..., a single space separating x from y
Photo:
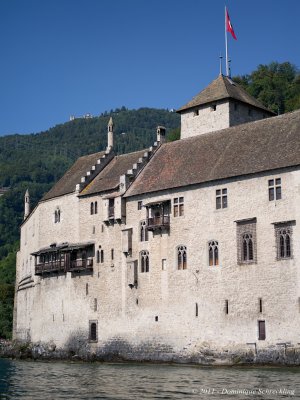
x=272 y=356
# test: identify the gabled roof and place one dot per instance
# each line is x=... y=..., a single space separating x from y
x=250 y=148
x=223 y=88
x=73 y=176
x=109 y=178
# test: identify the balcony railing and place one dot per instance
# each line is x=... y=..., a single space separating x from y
x=81 y=265
x=59 y=266
x=158 y=222
x=52 y=266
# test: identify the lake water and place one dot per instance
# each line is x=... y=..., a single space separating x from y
x=29 y=380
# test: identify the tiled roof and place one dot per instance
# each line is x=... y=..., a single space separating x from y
x=73 y=176
x=250 y=148
x=109 y=177
x=223 y=88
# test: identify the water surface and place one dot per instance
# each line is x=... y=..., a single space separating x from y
x=35 y=380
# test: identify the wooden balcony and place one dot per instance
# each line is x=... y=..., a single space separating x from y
x=48 y=267
x=158 y=222
x=81 y=265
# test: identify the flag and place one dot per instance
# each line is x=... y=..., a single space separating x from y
x=229 y=27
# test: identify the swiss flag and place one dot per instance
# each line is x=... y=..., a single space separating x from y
x=229 y=27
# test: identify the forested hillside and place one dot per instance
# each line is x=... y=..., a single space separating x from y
x=37 y=161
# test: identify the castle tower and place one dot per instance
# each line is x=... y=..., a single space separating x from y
x=223 y=103
x=110 y=135
x=26 y=204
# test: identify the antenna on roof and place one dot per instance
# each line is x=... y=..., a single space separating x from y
x=221 y=58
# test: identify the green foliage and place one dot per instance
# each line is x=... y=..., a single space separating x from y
x=276 y=85
x=174 y=134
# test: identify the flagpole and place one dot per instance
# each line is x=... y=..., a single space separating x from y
x=226 y=47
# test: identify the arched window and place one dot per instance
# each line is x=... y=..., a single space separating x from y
x=247 y=247
x=143 y=231
x=144 y=260
x=93 y=331
x=92 y=208
x=213 y=253
x=98 y=256
x=96 y=207
x=181 y=257
x=284 y=243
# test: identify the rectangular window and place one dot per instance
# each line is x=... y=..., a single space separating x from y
x=95 y=304
x=112 y=254
x=140 y=205
x=226 y=307
x=178 y=207
x=221 y=198
x=196 y=113
x=111 y=208
x=274 y=189
x=164 y=264
x=261 y=330
x=260 y=305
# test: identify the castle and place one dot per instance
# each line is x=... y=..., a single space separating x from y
x=188 y=250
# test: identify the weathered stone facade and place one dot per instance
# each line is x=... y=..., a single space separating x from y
x=167 y=298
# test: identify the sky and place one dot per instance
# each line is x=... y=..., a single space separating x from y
x=71 y=57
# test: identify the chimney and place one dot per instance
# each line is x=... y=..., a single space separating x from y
x=161 y=134
x=26 y=204
x=110 y=135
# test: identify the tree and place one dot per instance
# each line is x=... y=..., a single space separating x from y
x=276 y=85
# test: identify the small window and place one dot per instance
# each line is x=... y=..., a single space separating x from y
x=111 y=208
x=260 y=305
x=96 y=207
x=226 y=307
x=221 y=198
x=95 y=304
x=274 y=189
x=86 y=289
x=93 y=328
x=98 y=256
x=93 y=229
x=57 y=216
x=213 y=253
x=178 y=207
x=102 y=256
x=140 y=205
x=196 y=113
x=196 y=310
x=144 y=261
x=213 y=107
x=144 y=235
x=164 y=264
x=92 y=208
x=181 y=257
x=112 y=254
x=261 y=330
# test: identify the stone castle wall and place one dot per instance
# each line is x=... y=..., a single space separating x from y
x=159 y=315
